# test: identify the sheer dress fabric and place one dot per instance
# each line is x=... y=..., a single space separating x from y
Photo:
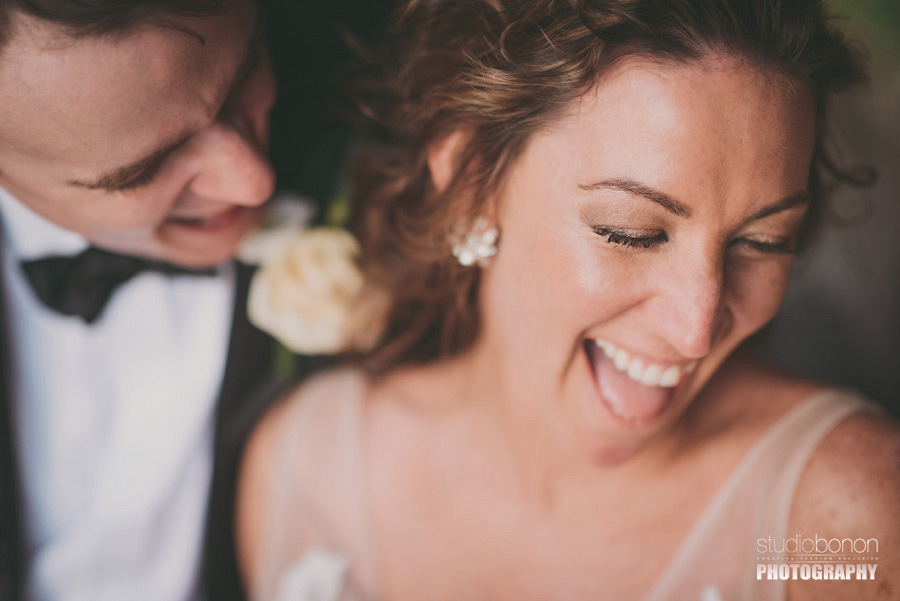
x=318 y=545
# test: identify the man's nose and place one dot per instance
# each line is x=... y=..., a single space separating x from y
x=694 y=306
x=233 y=167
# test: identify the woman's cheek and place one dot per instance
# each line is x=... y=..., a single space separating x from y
x=758 y=289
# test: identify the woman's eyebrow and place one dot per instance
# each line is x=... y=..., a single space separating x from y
x=638 y=189
x=784 y=204
x=673 y=206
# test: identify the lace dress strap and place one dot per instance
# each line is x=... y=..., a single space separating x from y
x=316 y=541
x=717 y=559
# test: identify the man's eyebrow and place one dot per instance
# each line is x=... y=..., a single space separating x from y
x=637 y=189
x=146 y=166
x=252 y=56
x=122 y=176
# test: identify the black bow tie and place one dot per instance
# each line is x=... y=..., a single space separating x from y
x=83 y=284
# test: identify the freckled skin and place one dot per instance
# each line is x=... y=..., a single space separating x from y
x=514 y=483
x=713 y=137
x=77 y=109
x=543 y=464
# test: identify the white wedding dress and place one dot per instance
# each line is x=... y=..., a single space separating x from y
x=305 y=555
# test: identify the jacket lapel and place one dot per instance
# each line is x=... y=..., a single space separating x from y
x=249 y=387
x=240 y=404
x=10 y=535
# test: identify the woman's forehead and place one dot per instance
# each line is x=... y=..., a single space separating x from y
x=647 y=99
x=717 y=128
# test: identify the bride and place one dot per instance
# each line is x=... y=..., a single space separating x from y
x=580 y=210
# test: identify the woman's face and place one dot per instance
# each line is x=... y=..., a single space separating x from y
x=643 y=236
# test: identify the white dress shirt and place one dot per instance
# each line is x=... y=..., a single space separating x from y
x=114 y=424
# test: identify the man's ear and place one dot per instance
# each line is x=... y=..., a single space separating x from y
x=443 y=158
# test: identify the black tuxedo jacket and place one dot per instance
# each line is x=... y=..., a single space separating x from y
x=248 y=387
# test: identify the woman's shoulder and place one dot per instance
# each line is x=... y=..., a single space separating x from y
x=856 y=465
x=850 y=489
x=301 y=433
x=317 y=401
x=314 y=406
x=849 y=484
x=312 y=412
x=847 y=451
x=860 y=440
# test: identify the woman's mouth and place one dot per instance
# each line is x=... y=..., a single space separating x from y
x=633 y=389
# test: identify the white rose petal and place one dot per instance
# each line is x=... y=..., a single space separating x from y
x=288 y=209
x=284 y=219
x=305 y=296
x=318 y=576
x=263 y=245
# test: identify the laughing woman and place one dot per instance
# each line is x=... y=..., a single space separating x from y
x=579 y=210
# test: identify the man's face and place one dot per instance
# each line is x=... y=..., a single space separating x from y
x=152 y=142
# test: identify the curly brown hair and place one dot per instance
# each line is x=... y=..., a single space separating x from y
x=500 y=69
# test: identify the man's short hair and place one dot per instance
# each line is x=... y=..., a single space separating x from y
x=84 y=18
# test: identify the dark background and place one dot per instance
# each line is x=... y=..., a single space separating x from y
x=309 y=54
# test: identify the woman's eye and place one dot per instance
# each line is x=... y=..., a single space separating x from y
x=629 y=238
x=773 y=247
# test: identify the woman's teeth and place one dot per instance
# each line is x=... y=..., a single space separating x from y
x=648 y=374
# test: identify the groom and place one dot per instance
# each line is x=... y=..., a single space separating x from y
x=135 y=128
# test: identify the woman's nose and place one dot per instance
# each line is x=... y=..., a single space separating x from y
x=693 y=310
x=233 y=167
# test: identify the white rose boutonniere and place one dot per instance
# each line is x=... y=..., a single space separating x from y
x=309 y=295
x=285 y=218
x=319 y=575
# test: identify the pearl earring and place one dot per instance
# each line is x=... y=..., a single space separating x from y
x=477 y=245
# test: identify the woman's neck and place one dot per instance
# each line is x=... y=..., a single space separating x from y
x=528 y=441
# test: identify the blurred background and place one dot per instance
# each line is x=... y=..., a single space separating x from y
x=308 y=43
x=840 y=322
x=841 y=319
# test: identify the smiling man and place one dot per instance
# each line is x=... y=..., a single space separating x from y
x=133 y=159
